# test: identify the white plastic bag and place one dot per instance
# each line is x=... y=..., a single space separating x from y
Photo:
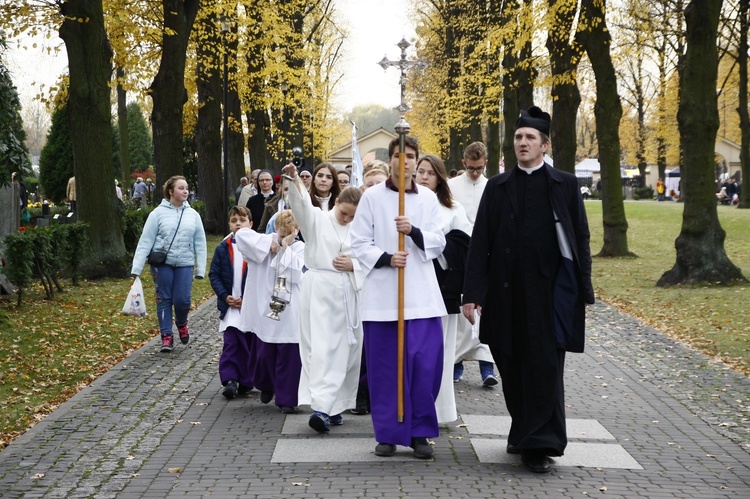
x=135 y=305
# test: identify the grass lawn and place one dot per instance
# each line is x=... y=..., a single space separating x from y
x=50 y=350
x=712 y=319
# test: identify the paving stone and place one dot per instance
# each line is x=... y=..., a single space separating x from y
x=680 y=416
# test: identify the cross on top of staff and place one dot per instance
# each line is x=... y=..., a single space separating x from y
x=402 y=64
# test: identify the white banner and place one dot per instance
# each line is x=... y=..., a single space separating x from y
x=357 y=167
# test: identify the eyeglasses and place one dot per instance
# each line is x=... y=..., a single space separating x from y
x=474 y=169
x=305 y=176
x=343 y=182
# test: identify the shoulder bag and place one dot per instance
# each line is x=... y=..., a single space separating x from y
x=156 y=257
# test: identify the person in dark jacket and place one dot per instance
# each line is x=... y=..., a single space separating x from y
x=529 y=278
x=237 y=356
x=257 y=203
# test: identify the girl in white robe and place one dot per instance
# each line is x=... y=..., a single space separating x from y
x=431 y=174
x=330 y=330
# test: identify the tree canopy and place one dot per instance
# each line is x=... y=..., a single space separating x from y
x=14 y=156
x=56 y=160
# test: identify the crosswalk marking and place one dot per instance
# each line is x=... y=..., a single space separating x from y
x=354 y=442
x=580 y=454
x=584 y=429
x=333 y=450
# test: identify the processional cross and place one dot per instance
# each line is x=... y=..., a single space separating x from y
x=402 y=129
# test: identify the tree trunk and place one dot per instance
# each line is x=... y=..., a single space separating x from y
x=701 y=257
x=495 y=16
x=661 y=141
x=90 y=66
x=257 y=119
x=257 y=142
x=453 y=63
x=168 y=90
x=742 y=109
x=608 y=111
x=641 y=109
x=511 y=109
x=566 y=98
x=208 y=128
x=455 y=147
x=122 y=126
x=493 y=144
x=235 y=136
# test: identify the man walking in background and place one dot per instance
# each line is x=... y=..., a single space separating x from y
x=467 y=189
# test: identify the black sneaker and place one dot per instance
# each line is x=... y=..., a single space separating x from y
x=230 y=391
x=319 y=422
x=336 y=420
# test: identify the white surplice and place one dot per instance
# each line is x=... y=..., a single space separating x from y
x=374 y=232
x=453 y=218
x=468 y=193
x=330 y=330
x=256 y=251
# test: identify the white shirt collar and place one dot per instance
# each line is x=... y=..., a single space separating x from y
x=531 y=170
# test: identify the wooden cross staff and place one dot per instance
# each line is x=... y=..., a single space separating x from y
x=402 y=128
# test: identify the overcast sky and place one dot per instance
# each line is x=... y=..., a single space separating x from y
x=375 y=27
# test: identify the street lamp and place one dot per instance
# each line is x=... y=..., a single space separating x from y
x=225 y=136
x=285 y=90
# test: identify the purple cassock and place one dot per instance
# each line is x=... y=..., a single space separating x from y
x=277 y=369
x=237 y=358
x=423 y=368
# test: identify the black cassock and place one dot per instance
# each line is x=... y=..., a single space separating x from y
x=513 y=270
x=532 y=372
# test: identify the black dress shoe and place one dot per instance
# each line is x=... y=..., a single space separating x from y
x=512 y=449
x=422 y=449
x=535 y=461
x=266 y=396
x=385 y=450
x=230 y=390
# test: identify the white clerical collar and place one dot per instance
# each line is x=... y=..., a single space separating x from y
x=531 y=170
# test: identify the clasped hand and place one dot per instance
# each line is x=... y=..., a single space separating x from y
x=234 y=301
x=343 y=263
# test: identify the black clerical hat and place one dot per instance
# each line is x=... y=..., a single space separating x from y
x=534 y=117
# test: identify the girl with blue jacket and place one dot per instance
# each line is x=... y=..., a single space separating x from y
x=176 y=229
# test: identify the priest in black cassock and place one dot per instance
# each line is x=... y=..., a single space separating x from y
x=528 y=275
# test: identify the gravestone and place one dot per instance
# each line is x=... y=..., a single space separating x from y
x=10 y=218
x=11 y=211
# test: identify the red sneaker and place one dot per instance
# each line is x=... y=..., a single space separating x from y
x=184 y=334
x=167 y=343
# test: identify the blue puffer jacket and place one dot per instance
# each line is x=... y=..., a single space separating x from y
x=189 y=247
x=222 y=275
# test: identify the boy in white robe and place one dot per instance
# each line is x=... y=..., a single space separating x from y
x=375 y=243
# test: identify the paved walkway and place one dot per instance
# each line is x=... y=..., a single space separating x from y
x=646 y=416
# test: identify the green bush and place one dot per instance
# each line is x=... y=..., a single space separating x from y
x=46 y=252
x=36 y=212
x=132 y=225
x=200 y=207
x=19 y=261
x=643 y=192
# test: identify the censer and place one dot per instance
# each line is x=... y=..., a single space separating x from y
x=280 y=296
